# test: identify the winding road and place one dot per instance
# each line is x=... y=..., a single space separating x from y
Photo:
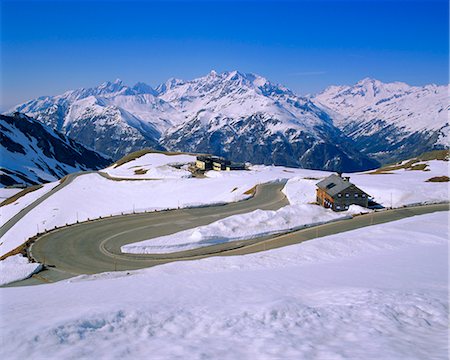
x=94 y=247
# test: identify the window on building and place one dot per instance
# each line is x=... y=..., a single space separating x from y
x=363 y=195
x=347 y=195
x=338 y=207
x=356 y=195
x=339 y=195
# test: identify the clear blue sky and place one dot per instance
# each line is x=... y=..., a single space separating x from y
x=52 y=46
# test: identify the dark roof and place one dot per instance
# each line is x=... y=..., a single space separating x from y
x=207 y=158
x=334 y=184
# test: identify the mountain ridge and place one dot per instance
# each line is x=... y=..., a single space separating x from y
x=33 y=153
x=397 y=118
x=242 y=116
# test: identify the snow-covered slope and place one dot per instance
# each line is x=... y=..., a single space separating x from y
x=379 y=292
x=153 y=166
x=389 y=121
x=241 y=116
x=33 y=153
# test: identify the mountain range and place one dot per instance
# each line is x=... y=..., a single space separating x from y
x=245 y=117
x=389 y=122
x=32 y=153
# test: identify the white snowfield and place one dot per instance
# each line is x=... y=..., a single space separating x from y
x=15 y=268
x=375 y=293
x=91 y=196
x=411 y=189
x=153 y=166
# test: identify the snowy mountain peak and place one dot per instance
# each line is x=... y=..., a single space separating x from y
x=248 y=118
x=169 y=85
x=369 y=81
x=143 y=88
x=110 y=87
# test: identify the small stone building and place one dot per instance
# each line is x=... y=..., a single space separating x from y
x=338 y=193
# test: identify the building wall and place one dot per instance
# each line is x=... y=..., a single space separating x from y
x=203 y=165
x=324 y=199
x=217 y=166
x=355 y=197
x=341 y=203
x=200 y=165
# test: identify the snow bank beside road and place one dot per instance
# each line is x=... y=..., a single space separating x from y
x=375 y=293
x=237 y=227
x=15 y=268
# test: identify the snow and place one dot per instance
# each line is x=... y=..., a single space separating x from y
x=33 y=153
x=8 y=211
x=155 y=166
x=237 y=227
x=6 y=193
x=413 y=108
x=375 y=293
x=15 y=268
x=403 y=187
x=33 y=159
x=406 y=187
x=220 y=100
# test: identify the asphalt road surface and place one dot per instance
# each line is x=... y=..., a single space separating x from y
x=94 y=247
